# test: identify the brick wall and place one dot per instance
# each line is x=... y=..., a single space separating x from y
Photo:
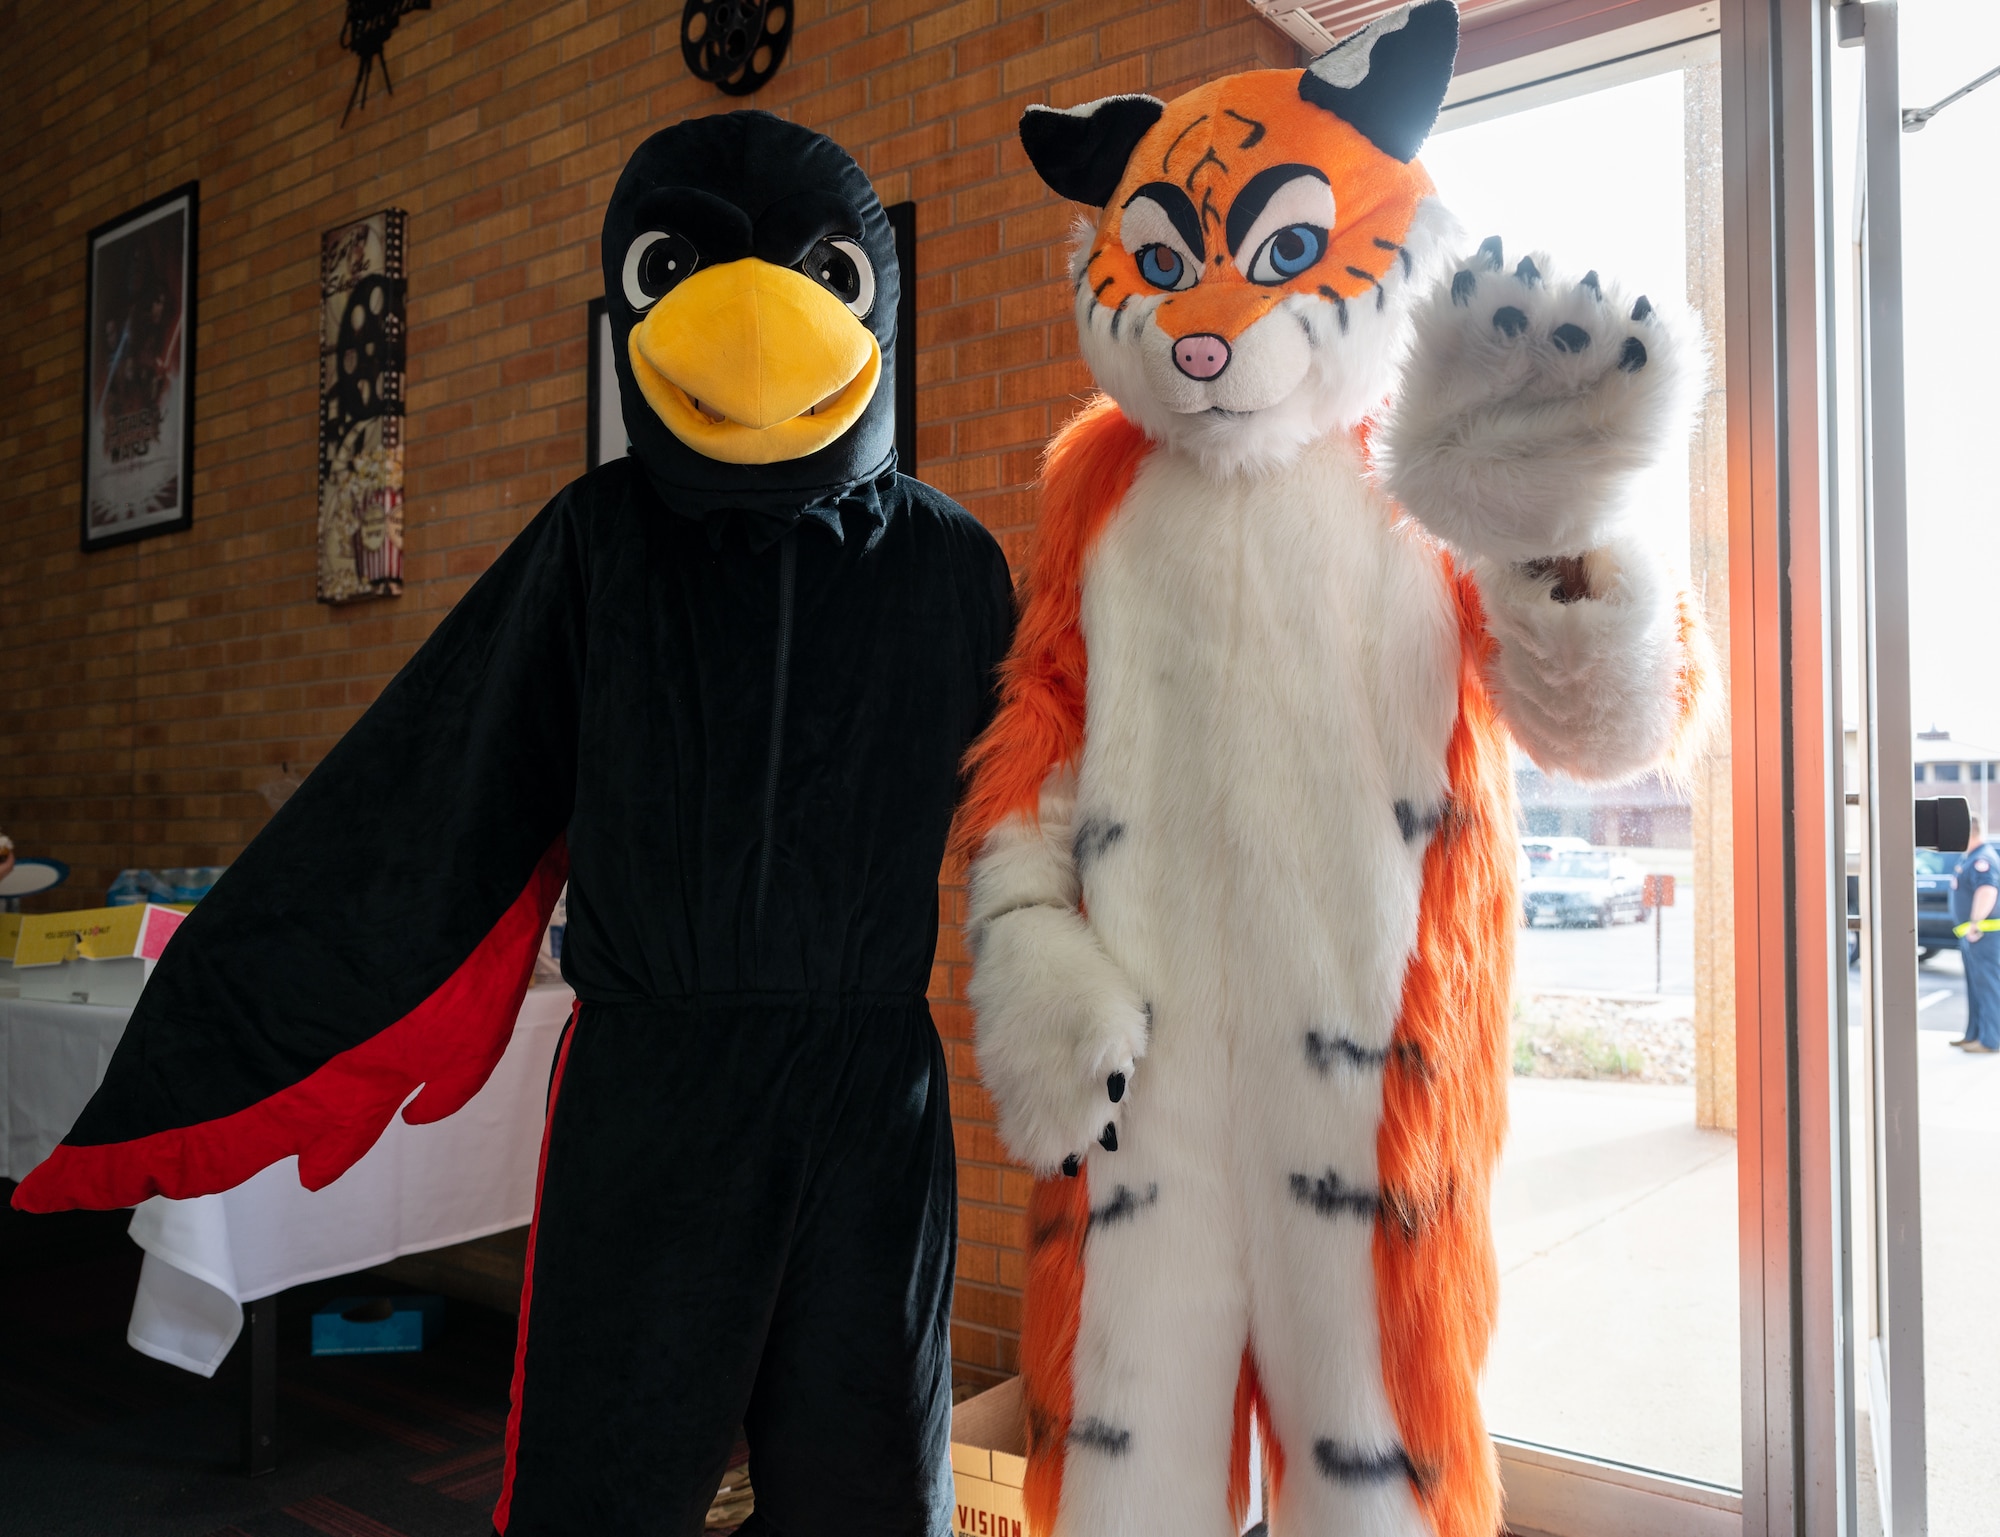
x=151 y=689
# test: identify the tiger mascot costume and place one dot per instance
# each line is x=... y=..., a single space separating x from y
x=1243 y=893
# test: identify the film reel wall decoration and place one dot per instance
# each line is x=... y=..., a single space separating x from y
x=735 y=45
x=363 y=351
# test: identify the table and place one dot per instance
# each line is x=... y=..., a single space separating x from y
x=52 y=1057
x=419 y=1187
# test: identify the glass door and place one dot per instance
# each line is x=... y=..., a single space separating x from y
x=1708 y=1216
x=1891 y=1360
x=1614 y=1389
x=1926 y=1116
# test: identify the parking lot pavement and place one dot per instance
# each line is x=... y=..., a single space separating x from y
x=1620 y=960
x=1940 y=993
x=1614 y=960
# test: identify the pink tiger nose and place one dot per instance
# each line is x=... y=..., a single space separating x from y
x=1201 y=356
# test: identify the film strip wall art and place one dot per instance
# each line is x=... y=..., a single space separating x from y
x=361 y=361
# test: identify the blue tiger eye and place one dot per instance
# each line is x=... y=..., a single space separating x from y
x=1161 y=265
x=1295 y=249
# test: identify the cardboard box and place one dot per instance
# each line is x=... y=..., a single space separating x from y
x=367 y=1326
x=100 y=955
x=989 y=1462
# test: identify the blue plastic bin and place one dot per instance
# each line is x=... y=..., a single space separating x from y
x=360 y=1326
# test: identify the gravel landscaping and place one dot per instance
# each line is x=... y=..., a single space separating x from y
x=1562 y=1035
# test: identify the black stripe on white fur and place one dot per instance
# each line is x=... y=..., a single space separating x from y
x=1331 y=1196
x=1123 y=1206
x=1341 y=1463
x=1322 y=1051
x=1094 y=1435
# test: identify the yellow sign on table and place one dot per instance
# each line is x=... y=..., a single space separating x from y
x=96 y=934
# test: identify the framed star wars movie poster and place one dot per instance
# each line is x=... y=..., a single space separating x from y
x=361 y=355
x=138 y=434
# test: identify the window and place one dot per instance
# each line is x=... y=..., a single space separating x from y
x=1603 y=1445
x=1616 y=1206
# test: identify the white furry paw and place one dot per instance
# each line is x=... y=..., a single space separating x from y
x=1529 y=405
x=1060 y=1031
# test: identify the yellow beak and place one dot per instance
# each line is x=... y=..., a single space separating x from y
x=752 y=363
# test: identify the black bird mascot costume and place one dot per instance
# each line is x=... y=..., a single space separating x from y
x=724 y=686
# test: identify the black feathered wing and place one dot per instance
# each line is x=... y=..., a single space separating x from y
x=379 y=934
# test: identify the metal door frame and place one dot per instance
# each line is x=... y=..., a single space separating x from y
x=1892 y=1336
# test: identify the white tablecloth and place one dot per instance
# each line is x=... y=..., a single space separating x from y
x=420 y=1187
x=52 y=1057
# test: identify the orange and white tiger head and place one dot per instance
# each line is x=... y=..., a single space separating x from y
x=1249 y=284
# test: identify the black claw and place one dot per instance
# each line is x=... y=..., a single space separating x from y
x=1510 y=321
x=1529 y=273
x=1115 y=1087
x=1071 y=1164
x=1569 y=338
x=1633 y=358
x=1109 y=1141
x=1462 y=288
x=1492 y=253
x=1643 y=308
x=1590 y=281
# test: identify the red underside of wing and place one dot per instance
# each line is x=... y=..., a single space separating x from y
x=449 y=1043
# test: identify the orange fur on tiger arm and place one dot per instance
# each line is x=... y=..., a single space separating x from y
x=1039 y=724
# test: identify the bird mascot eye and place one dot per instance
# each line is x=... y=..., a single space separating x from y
x=654 y=264
x=843 y=269
x=1288 y=253
x=1164 y=267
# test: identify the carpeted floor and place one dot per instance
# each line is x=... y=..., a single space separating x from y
x=96 y=1440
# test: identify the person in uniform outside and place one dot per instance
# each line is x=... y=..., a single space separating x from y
x=1974 y=895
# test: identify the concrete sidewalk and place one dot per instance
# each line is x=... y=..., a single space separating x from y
x=1616 y=1222
x=1615 y=1219
x=1959 y=1150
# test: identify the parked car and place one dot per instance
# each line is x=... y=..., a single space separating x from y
x=1538 y=852
x=1583 y=888
x=1935 y=885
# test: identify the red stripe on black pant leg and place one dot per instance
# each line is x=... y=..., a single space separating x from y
x=505 y=1507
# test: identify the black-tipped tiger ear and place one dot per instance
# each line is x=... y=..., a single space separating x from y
x=1081 y=152
x=1389 y=78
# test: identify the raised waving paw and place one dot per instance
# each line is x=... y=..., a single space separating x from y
x=1530 y=402
x=1060 y=1033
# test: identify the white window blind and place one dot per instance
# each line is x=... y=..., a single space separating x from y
x=1496 y=31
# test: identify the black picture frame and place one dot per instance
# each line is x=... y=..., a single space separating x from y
x=903 y=224
x=139 y=371
x=604 y=439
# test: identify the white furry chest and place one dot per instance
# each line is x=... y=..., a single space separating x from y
x=1272 y=682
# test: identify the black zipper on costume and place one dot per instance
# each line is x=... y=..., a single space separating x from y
x=788 y=564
